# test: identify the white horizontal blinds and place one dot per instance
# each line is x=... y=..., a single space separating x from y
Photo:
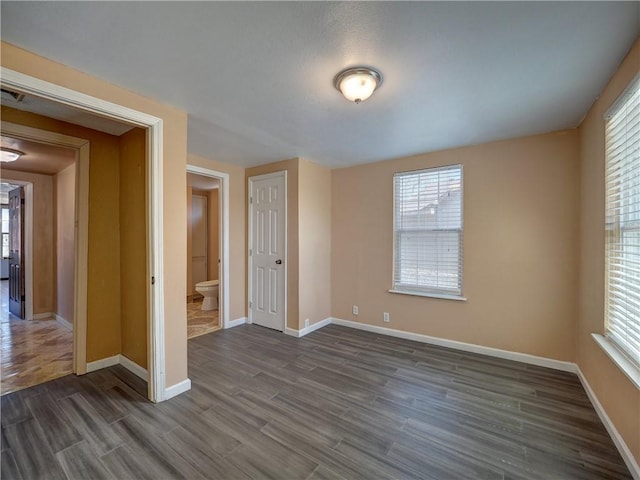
x=623 y=223
x=428 y=230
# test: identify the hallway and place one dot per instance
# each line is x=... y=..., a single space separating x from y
x=33 y=351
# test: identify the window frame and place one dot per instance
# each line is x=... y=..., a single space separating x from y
x=413 y=289
x=614 y=231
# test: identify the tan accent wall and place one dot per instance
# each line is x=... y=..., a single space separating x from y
x=133 y=246
x=174 y=205
x=64 y=183
x=314 y=235
x=103 y=279
x=237 y=239
x=520 y=237
x=291 y=167
x=43 y=235
x=619 y=397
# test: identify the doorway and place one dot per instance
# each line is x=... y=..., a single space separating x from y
x=38 y=195
x=207 y=251
x=268 y=250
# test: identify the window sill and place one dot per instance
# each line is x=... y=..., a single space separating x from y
x=441 y=296
x=622 y=362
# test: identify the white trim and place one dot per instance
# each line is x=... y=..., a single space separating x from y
x=224 y=236
x=130 y=365
x=35 y=86
x=63 y=321
x=622 y=362
x=81 y=233
x=103 y=363
x=284 y=174
x=236 y=322
x=431 y=295
x=134 y=368
x=177 y=389
x=619 y=442
x=307 y=330
x=467 y=347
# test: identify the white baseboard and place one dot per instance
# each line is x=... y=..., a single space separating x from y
x=236 y=322
x=311 y=328
x=119 y=360
x=467 y=347
x=42 y=316
x=619 y=442
x=63 y=321
x=177 y=389
x=103 y=363
x=134 y=368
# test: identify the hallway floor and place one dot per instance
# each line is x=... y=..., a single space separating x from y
x=200 y=322
x=33 y=351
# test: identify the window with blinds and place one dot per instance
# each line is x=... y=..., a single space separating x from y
x=622 y=138
x=427 y=227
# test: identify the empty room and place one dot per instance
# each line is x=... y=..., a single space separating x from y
x=414 y=244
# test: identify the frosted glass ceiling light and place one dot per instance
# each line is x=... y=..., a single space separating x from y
x=9 y=154
x=357 y=84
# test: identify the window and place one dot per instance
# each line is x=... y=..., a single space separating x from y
x=427 y=228
x=5 y=232
x=622 y=227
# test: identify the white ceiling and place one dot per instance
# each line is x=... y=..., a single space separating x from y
x=200 y=182
x=256 y=78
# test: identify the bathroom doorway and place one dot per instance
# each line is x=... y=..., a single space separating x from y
x=205 y=251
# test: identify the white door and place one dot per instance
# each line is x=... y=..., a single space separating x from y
x=267 y=210
x=199 y=240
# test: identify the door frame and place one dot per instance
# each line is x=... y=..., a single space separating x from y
x=81 y=233
x=280 y=173
x=155 y=253
x=223 y=236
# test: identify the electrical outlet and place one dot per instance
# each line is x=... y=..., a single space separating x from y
x=385 y=317
x=306 y=323
x=355 y=309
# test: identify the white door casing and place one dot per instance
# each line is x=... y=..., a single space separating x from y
x=267 y=250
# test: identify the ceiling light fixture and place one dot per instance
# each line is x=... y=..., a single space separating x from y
x=358 y=83
x=9 y=154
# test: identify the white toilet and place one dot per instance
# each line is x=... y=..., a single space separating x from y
x=209 y=290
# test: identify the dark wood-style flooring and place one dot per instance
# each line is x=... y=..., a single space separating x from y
x=338 y=403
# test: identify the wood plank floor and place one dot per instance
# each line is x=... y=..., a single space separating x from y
x=338 y=403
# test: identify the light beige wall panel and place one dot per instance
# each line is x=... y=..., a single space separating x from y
x=65 y=259
x=520 y=237
x=214 y=235
x=174 y=184
x=314 y=230
x=43 y=235
x=291 y=167
x=619 y=397
x=189 y=242
x=237 y=239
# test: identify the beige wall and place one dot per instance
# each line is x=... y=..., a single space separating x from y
x=237 y=255
x=133 y=246
x=174 y=205
x=43 y=234
x=520 y=237
x=291 y=167
x=314 y=236
x=64 y=183
x=619 y=397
